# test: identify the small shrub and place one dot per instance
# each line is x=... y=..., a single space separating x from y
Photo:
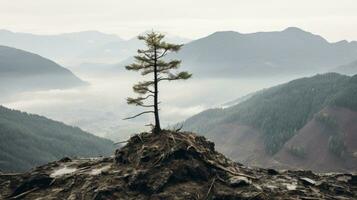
x=330 y=123
x=336 y=145
x=297 y=151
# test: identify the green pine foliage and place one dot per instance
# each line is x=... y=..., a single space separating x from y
x=28 y=140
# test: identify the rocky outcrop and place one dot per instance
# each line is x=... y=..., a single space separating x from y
x=170 y=165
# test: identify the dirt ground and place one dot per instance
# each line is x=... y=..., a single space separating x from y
x=170 y=165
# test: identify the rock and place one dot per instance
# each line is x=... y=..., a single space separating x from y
x=344 y=178
x=239 y=181
x=353 y=180
x=272 y=172
x=291 y=186
x=65 y=159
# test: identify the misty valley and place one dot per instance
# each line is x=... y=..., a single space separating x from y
x=264 y=113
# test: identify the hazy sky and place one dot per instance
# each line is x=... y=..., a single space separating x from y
x=333 y=19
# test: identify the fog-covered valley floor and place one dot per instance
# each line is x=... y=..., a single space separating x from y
x=100 y=107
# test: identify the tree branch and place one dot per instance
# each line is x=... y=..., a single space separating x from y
x=163 y=54
x=138 y=115
x=147 y=55
x=146 y=106
x=150 y=95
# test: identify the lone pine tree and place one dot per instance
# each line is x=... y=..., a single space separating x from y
x=150 y=61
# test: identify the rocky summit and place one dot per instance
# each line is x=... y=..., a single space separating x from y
x=170 y=165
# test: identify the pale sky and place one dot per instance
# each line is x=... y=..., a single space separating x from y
x=333 y=19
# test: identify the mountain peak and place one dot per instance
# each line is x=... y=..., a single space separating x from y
x=225 y=33
x=293 y=29
x=5 y=31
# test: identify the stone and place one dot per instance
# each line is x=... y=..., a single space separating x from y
x=239 y=181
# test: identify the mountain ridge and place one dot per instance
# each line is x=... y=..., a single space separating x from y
x=63 y=48
x=23 y=71
x=291 y=51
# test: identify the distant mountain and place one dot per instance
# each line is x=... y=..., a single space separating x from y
x=349 y=69
x=117 y=51
x=112 y=52
x=28 y=140
x=306 y=123
x=79 y=47
x=63 y=48
x=23 y=71
x=291 y=51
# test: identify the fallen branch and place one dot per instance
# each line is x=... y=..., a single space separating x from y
x=25 y=193
x=126 y=141
x=210 y=188
x=10 y=174
x=229 y=171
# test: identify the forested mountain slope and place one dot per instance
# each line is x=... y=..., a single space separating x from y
x=264 y=123
x=21 y=71
x=28 y=140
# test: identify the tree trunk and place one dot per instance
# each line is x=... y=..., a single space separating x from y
x=157 y=127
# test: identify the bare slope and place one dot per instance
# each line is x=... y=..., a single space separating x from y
x=313 y=147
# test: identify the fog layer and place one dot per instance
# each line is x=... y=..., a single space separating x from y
x=100 y=107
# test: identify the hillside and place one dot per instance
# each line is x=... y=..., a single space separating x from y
x=28 y=140
x=291 y=51
x=255 y=130
x=329 y=138
x=22 y=71
x=171 y=165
